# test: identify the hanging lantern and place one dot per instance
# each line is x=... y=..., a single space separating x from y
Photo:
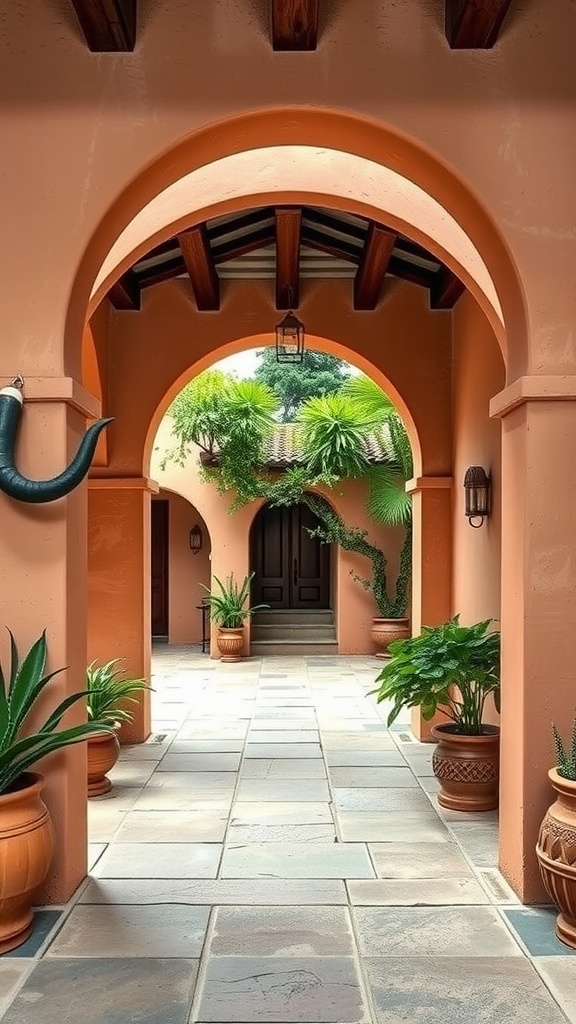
x=478 y=495
x=290 y=335
x=195 y=540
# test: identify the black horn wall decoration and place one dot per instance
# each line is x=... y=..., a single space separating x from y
x=38 y=491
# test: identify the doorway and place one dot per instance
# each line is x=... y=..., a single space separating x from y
x=292 y=569
x=159 y=569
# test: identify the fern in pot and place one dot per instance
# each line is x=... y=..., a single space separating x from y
x=452 y=670
x=229 y=609
x=108 y=698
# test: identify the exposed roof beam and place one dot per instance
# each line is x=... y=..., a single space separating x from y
x=197 y=255
x=162 y=272
x=324 y=219
x=125 y=294
x=294 y=24
x=288 y=225
x=446 y=290
x=410 y=272
x=474 y=24
x=373 y=266
x=108 y=25
x=332 y=246
x=240 y=246
x=252 y=219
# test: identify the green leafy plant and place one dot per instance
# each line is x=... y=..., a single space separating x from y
x=26 y=683
x=107 y=693
x=228 y=608
x=566 y=759
x=449 y=668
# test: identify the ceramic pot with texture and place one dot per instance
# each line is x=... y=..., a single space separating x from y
x=103 y=751
x=385 y=631
x=556 y=852
x=467 y=768
x=230 y=643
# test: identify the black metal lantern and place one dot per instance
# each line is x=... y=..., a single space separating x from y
x=195 y=540
x=478 y=495
x=290 y=335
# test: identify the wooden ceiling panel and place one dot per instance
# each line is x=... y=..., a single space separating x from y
x=240 y=246
x=373 y=266
x=108 y=25
x=199 y=262
x=125 y=294
x=288 y=227
x=474 y=24
x=294 y=24
x=446 y=290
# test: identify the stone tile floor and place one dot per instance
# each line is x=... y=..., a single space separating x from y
x=274 y=854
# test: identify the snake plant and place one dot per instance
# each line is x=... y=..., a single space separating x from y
x=20 y=747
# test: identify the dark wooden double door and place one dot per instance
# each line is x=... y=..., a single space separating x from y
x=292 y=569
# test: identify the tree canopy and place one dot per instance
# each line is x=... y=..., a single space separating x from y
x=318 y=374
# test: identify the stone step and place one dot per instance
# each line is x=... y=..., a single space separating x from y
x=298 y=648
x=293 y=631
x=304 y=616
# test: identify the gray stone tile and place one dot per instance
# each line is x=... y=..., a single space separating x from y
x=194 y=781
x=144 y=751
x=283 y=790
x=281 y=813
x=200 y=891
x=417 y=892
x=282 y=931
x=173 y=827
x=207 y=746
x=297 y=736
x=199 y=762
x=95 y=851
x=45 y=922
x=496 y=886
x=364 y=758
x=297 y=860
x=373 y=778
x=106 y=991
x=419 y=860
x=159 y=860
x=535 y=927
x=391 y=827
x=557 y=973
x=350 y=741
x=385 y=800
x=12 y=974
x=283 y=723
x=238 y=834
x=279 y=990
x=456 y=990
x=283 y=768
x=102 y=822
x=450 y=931
x=131 y=773
x=179 y=798
x=479 y=842
x=132 y=931
x=282 y=750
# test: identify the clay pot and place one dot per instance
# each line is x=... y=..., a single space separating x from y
x=26 y=850
x=467 y=768
x=384 y=631
x=103 y=751
x=556 y=852
x=230 y=643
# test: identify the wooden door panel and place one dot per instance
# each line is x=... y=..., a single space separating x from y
x=292 y=568
x=159 y=568
x=310 y=562
x=270 y=558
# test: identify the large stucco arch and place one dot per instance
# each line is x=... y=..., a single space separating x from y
x=302 y=155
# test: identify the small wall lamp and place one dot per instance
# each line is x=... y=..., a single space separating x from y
x=195 y=539
x=478 y=490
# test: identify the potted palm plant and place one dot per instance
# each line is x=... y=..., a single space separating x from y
x=452 y=669
x=26 y=836
x=556 y=847
x=228 y=609
x=107 y=695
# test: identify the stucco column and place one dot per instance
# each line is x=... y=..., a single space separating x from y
x=538 y=608
x=431 y=565
x=119 y=583
x=43 y=571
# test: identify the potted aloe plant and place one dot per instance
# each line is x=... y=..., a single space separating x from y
x=26 y=836
x=556 y=847
x=107 y=694
x=228 y=609
x=452 y=669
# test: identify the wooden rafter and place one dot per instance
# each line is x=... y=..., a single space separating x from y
x=446 y=290
x=332 y=246
x=162 y=272
x=410 y=272
x=294 y=24
x=125 y=294
x=240 y=246
x=197 y=254
x=288 y=226
x=108 y=25
x=474 y=24
x=373 y=266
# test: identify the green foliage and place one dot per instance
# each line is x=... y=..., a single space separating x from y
x=565 y=759
x=19 y=749
x=318 y=374
x=333 y=437
x=108 y=693
x=448 y=668
x=228 y=607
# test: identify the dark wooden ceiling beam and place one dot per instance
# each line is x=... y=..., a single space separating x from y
x=240 y=246
x=332 y=246
x=474 y=24
x=197 y=254
x=125 y=294
x=288 y=228
x=294 y=24
x=446 y=289
x=252 y=219
x=373 y=266
x=162 y=272
x=108 y=25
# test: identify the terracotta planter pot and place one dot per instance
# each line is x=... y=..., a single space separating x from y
x=556 y=852
x=384 y=631
x=467 y=768
x=230 y=643
x=103 y=753
x=26 y=850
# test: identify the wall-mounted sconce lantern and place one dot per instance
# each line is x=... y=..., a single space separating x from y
x=290 y=335
x=195 y=540
x=478 y=494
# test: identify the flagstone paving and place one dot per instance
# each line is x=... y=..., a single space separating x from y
x=275 y=854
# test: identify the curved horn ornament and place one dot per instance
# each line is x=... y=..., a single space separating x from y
x=39 y=491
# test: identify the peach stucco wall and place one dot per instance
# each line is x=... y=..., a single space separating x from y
x=186 y=571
